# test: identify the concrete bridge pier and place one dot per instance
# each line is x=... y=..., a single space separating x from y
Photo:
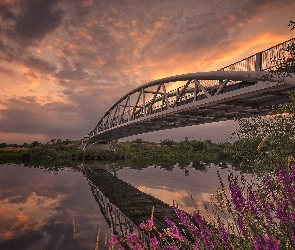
x=102 y=146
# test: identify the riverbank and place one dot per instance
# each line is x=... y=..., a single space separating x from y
x=166 y=151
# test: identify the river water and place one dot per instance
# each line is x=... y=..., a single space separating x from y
x=45 y=209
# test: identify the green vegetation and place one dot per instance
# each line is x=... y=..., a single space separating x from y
x=38 y=152
x=166 y=152
x=267 y=143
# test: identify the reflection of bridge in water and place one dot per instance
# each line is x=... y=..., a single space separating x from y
x=238 y=90
x=124 y=206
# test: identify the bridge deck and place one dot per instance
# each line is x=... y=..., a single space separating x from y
x=244 y=100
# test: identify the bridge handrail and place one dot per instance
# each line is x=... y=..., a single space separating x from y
x=263 y=60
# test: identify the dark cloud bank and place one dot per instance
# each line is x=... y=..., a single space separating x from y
x=97 y=46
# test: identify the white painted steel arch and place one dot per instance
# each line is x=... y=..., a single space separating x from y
x=205 y=97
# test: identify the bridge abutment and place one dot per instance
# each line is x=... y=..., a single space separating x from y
x=100 y=146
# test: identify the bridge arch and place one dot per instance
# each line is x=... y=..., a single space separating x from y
x=205 y=97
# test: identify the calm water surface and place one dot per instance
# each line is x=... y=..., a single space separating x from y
x=38 y=207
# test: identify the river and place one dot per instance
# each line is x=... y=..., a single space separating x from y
x=56 y=209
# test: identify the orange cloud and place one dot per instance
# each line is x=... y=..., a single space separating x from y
x=84 y=34
x=142 y=38
x=65 y=48
x=38 y=51
x=22 y=217
x=8 y=1
x=34 y=83
x=88 y=3
x=34 y=213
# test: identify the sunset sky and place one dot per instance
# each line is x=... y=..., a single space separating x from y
x=63 y=63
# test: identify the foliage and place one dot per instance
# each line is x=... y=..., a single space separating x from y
x=251 y=216
x=167 y=142
x=38 y=152
x=138 y=151
x=267 y=141
x=292 y=25
x=169 y=151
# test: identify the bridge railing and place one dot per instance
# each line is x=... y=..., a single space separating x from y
x=247 y=64
x=274 y=56
x=265 y=60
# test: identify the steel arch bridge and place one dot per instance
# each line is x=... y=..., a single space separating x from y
x=239 y=90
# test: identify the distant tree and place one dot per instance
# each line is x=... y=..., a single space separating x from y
x=52 y=141
x=138 y=140
x=167 y=142
x=34 y=144
x=67 y=141
x=292 y=24
x=199 y=145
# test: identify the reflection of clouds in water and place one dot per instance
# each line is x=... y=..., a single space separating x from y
x=37 y=209
x=191 y=191
x=191 y=202
x=33 y=213
x=163 y=194
x=182 y=198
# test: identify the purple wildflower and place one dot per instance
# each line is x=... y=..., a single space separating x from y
x=237 y=196
x=134 y=241
x=154 y=243
x=197 y=245
x=148 y=226
x=223 y=234
x=252 y=202
x=182 y=216
x=271 y=243
x=242 y=226
x=282 y=212
x=114 y=240
x=170 y=248
x=185 y=220
x=257 y=245
x=269 y=183
x=206 y=233
x=173 y=231
x=267 y=208
x=169 y=222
